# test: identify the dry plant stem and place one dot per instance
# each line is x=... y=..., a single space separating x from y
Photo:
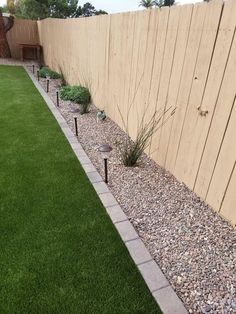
x=131 y=151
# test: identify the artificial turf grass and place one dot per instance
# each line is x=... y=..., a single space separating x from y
x=59 y=252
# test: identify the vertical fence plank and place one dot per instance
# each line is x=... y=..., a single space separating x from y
x=157 y=67
x=224 y=165
x=229 y=201
x=167 y=65
x=140 y=38
x=195 y=34
x=116 y=66
x=144 y=89
x=180 y=52
x=186 y=168
x=175 y=78
x=222 y=93
x=127 y=61
x=139 y=107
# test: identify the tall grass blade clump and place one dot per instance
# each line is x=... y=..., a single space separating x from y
x=131 y=151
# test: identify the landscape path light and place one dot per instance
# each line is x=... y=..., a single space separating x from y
x=76 y=126
x=57 y=94
x=48 y=80
x=73 y=109
x=105 y=150
x=38 y=74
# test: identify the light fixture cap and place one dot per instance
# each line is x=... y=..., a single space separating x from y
x=105 y=148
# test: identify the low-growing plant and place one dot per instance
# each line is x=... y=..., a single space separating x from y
x=83 y=97
x=77 y=94
x=44 y=72
x=74 y=94
x=80 y=95
x=64 y=92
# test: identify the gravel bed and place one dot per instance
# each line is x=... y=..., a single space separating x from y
x=194 y=247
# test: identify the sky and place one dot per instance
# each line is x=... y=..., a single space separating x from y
x=113 y=6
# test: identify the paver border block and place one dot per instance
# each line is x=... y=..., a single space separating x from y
x=89 y=168
x=116 y=213
x=108 y=199
x=126 y=231
x=73 y=140
x=83 y=160
x=78 y=150
x=76 y=147
x=169 y=302
x=100 y=187
x=138 y=251
x=153 y=276
x=68 y=133
x=94 y=177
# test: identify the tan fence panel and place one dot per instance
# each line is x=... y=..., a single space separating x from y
x=229 y=201
x=220 y=92
x=190 y=58
x=175 y=79
x=138 y=62
x=23 y=31
x=165 y=75
x=225 y=165
x=186 y=169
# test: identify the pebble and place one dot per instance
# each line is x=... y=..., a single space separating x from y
x=208 y=308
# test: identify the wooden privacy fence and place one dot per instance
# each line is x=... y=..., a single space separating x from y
x=23 y=31
x=184 y=57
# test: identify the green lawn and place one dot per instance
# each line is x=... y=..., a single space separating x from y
x=59 y=251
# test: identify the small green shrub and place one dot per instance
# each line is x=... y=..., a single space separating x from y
x=44 y=72
x=74 y=94
x=64 y=92
x=77 y=94
x=80 y=95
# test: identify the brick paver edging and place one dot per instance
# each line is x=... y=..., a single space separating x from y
x=157 y=283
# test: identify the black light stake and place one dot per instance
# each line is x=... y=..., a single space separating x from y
x=47 y=77
x=38 y=74
x=105 y=149
x=76 y=126
x=33 y=67
x=57 y=98
x=106 y=170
